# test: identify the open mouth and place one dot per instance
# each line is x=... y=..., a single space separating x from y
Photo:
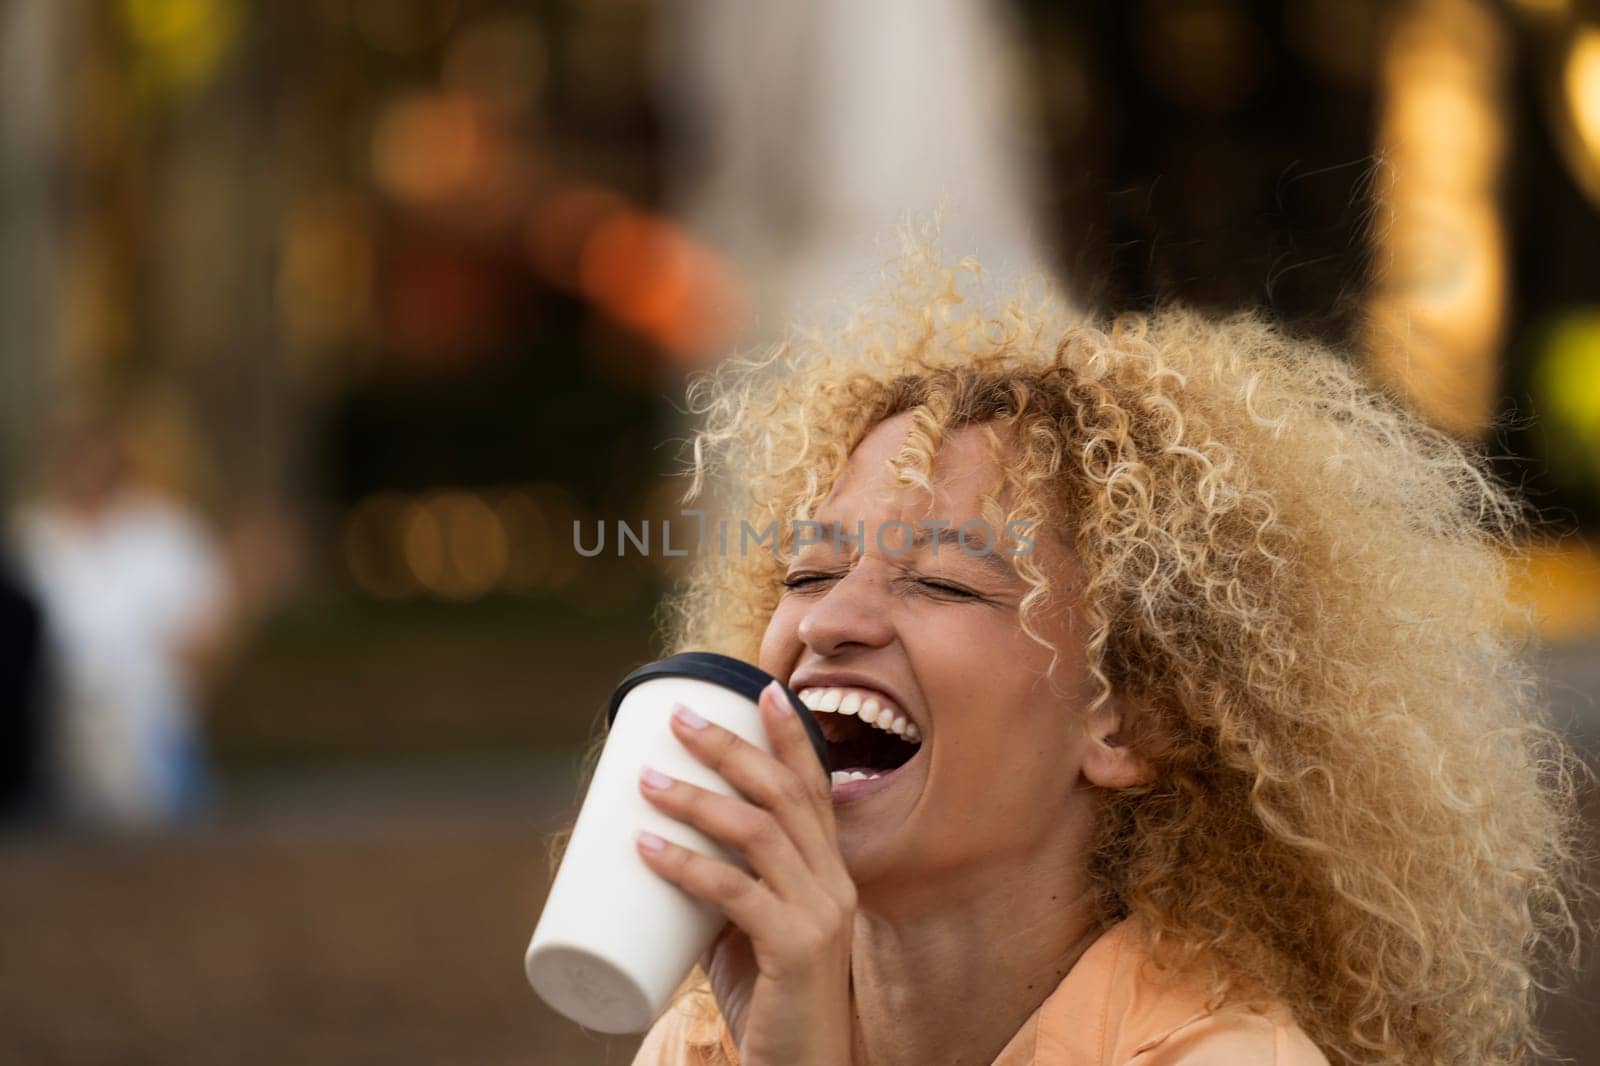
x=865 y=737
x=855 y=746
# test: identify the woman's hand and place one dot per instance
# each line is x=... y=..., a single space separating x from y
x=780 y=968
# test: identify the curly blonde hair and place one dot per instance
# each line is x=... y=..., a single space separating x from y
x=1360 y=806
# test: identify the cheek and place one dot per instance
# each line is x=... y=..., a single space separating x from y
x=988 y=680
x=969 y=673
x=973 y=653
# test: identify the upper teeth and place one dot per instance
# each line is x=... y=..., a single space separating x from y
x=867 y=706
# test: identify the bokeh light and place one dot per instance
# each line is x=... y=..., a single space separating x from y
x=1439 y=303
x=1581 y=90
x=428 y=147
x=181 y=43
x=646 y=272
x=1566 y=393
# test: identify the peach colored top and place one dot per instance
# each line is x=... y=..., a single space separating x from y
x=1107 y=1011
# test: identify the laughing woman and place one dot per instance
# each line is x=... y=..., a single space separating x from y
x=1203 y=742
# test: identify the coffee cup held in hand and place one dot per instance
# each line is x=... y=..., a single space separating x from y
x=615 y=938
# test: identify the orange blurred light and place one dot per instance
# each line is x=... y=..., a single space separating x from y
x=422 y=539
x=428 y=148
x=1559 y=585
x=1581 y=82
x=646 y=272
x=455 y=545
x=1445 y=124
x=1438 y=305
x=477 y=546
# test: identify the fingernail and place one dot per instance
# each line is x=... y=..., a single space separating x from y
x=688 y=717
x=780 y=700
x=649 y=841
x=654 y=778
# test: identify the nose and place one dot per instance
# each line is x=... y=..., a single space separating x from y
x=849 y=614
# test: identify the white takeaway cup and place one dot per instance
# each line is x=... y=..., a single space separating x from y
x=615 y=938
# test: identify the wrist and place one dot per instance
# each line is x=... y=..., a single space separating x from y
x=835 y=1045
x=823 y=1016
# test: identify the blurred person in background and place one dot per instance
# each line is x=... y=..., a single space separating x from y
x=804 y=128
x=136 y=605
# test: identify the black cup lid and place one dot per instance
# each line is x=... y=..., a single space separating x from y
x=730 y=673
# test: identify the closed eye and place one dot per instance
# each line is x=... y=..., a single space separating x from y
x=948 y=589
x=799 y=581
x=943 y=588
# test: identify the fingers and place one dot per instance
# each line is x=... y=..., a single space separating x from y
x=747 y=903
x=792 y=745
x=752 y=832
x=767 y=781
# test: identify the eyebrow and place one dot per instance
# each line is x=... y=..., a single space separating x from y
x=991 y=559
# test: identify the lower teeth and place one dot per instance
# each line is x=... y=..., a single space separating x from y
x=841 y=776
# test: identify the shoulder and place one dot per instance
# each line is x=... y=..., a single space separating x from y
x=1233 y=1036
x=1117 y=1007
x=690 y=1032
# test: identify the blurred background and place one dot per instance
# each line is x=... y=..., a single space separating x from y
x=321 y=321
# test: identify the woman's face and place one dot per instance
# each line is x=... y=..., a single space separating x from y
x=1002 y=770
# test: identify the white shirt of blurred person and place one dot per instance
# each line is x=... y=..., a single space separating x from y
x=133 y=589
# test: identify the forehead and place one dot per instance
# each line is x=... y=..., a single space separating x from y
x=964 y=469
